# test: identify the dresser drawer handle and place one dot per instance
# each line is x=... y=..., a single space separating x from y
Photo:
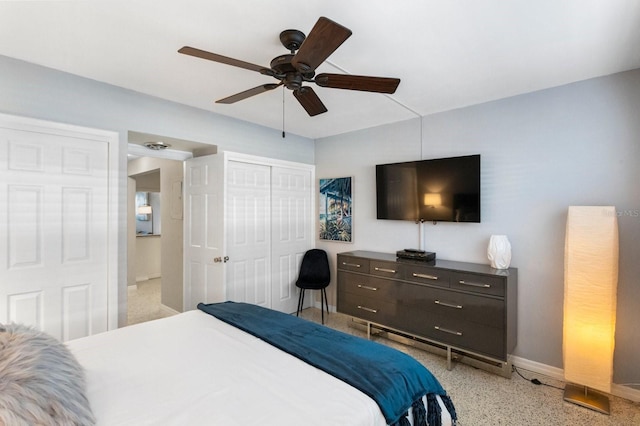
x=374 y=311
x=475 y=284
x=355 y=265
x=391 y=271
x=444 y=330
x=429 y=277
x=366 y=287
x=448 y=305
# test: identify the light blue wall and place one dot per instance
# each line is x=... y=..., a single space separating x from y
x=573 y=145
x=32 y=91
x=43 y=93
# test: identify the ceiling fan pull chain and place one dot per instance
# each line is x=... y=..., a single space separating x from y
x=282 y=112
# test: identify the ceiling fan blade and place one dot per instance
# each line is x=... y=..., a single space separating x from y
x=358 y=82
x=192 y=51
x=309 y=101
x=248 y=93
x=325 y=37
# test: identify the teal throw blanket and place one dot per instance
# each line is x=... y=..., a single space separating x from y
x=395 y=380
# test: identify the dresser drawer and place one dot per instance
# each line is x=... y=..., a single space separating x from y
x=462 y=334
x=351 y=263
x=385 y=269
x=478 y=283
x=367 y=286
x=367 y=308
x=468 y=307
x=426 y=275
x=471 y=336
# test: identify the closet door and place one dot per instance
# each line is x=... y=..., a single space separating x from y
x=248 y=232
x=55 y=228
x=292 y=232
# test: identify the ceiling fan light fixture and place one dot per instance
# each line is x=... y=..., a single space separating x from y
x=157 y=146
x=293 y=81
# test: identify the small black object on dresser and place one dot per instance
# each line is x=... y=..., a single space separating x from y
x=467 y=309
x=425 y=256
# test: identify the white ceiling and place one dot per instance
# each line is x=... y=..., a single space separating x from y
x=448 y=53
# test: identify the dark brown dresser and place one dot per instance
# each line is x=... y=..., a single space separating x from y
x=465 y=309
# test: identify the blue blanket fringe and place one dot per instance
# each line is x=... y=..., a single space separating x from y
x=419 y=413
x=431 y=418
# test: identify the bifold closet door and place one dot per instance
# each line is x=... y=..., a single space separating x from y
x=268 y=229
x=248 y=233
x=291 y=234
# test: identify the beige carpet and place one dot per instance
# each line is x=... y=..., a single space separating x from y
x=143 y=302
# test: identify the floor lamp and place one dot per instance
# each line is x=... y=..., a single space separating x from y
x=590 y=284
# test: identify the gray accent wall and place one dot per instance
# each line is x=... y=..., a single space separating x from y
x=577 y=144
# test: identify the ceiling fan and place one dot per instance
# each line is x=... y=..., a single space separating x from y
x=296 y=68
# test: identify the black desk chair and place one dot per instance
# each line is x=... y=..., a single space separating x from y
x=314 y=275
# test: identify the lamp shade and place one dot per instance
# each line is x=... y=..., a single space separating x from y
x=432 y=199
x=145 y=210
x=590 y=285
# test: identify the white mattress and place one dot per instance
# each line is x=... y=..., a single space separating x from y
x=193 y=369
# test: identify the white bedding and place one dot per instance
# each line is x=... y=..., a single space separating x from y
x=193 y=369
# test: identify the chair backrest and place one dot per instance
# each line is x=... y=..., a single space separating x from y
x=314 y=270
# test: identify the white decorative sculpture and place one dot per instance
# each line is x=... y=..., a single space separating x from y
x=499 y=251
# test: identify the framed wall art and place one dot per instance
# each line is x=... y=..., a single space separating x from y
x=336 y=209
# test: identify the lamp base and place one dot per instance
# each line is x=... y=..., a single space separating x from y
x=588 y=398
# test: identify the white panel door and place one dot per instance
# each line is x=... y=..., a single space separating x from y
x=204 y=231
x=292 y=233
x=54 y=229
x=248 y=233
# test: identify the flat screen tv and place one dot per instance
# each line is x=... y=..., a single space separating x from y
x=439 y=190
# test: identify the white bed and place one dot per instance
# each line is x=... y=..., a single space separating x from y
x=193 y=369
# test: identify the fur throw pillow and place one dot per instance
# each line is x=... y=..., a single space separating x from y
x=41 y=382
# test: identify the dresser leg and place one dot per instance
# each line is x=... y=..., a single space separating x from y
x=449 y=358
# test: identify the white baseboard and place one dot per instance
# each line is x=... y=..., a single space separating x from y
x=316 y=304
x=168 y=310
x=621 y=391
x=536 y=367
x=148 y=277
x=625 y=392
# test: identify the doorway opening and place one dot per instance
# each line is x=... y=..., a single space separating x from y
x=145 y=294
x=155 y=225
